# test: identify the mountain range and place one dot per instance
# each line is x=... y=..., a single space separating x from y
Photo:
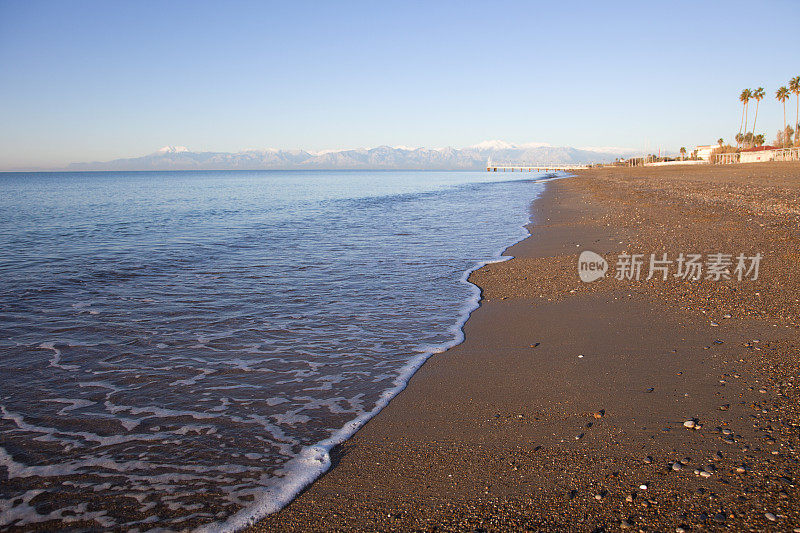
x=382 y=157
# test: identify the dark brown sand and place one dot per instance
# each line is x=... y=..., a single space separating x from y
x=512 y=430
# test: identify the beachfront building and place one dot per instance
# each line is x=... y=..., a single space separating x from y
x=769 y=153
x=757 y=155
x=704 y=151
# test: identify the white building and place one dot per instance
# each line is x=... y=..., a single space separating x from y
x=757 y=155
x=704 y=151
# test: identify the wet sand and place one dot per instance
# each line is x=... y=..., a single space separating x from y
x=514 y=430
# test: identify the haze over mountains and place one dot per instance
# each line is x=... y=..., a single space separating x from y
x=382 y=157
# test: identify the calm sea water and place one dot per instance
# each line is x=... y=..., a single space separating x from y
x=181 y=349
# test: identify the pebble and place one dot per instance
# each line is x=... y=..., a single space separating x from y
x=724 y=407
x=705 y=474
x=689 y=424
x=714 y=324
x=679 y=529
x=741 y=470
x=677 y=466
x=599 y=414
x=771 y=517
x=647 y=460
x=642 y=487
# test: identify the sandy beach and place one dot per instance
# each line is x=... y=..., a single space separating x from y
x=568 y=406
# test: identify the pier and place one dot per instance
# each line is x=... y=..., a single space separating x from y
x=532 y=168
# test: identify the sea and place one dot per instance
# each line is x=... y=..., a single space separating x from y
x=181 y=350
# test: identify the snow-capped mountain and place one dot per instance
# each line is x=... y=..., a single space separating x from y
x=382 y=157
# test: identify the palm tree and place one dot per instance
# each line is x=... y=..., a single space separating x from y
x=720 y=141
x=794 y=86
x=683 y=153
x=758 y=94
x=743 y=98
x=782 y=95
x=760 y=139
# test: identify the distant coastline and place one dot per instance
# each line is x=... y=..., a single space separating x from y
x=378 y=158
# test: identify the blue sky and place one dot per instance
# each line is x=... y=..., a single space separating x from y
x=89 y=80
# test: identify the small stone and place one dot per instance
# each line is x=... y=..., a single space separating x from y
x=771 y=517
x=689 y=424
x=629 y=498
x=741 y=469
x=724 y=407
x=580 y=357
x=647 y=460
x=598 y=497
x=727 y=431
x=650 y=389
x=599 y=414
x=642 y=487
x=579 y=437
x=714 y=324
x=762 y=391
x=679 y=529
x=705 y=474
x=677 y=466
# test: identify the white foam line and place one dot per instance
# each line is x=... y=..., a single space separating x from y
x=55 y=361
x=313 y=461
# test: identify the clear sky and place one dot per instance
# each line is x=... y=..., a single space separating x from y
x=96 y=80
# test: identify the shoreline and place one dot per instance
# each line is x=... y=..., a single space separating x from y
x=314 y=461
x=512 y=430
